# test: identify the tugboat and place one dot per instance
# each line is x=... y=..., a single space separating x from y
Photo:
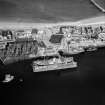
x=54 y=64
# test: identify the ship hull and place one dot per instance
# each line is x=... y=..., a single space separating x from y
x=55 y=67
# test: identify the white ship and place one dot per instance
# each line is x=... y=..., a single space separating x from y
x=54 y=64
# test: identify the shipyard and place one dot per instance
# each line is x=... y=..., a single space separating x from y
x=26 y=44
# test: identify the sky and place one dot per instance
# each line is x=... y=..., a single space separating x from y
x=50 y=11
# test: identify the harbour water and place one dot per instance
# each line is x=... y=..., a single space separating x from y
x=83 y=85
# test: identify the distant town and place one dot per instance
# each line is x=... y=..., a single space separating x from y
x=21 y=44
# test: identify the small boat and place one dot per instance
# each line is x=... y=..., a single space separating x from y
x=91 y=48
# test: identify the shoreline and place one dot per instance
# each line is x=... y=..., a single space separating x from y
x=24 y=25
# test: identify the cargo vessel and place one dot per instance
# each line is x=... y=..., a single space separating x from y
x=54 y=64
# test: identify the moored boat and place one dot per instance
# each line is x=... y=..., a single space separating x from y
x=54 y=64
